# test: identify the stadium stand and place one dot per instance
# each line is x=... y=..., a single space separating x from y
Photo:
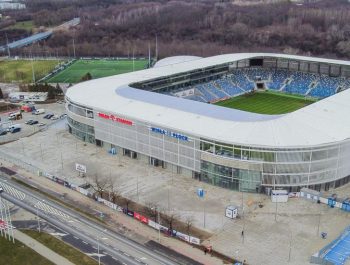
x=326 y=87
x=230 y=88
x=239 y=81
x=26 y=41
x=239 y=78
x=300 y=83
x=257 y=74
x=278 y=79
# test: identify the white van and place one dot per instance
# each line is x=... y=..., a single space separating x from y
x=39 y=111
x=13 y=126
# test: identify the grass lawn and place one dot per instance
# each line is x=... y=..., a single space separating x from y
x=267 y=102
x=22 y=70
x=26 y=25
x=61 y=248
x=19 y=254
x=97 y=68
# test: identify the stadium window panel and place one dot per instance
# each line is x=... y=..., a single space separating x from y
x=207 y=147
x=319 y=155
x=269 y=156
x=237 y=152
x=223 y=150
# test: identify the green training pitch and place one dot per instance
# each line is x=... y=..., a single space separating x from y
x=267 y=102
x=22 y=70
x=97 y=69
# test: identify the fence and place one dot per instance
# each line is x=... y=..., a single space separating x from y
x=143 y=219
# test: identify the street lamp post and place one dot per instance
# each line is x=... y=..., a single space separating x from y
x=37 y=216
x=158 y=219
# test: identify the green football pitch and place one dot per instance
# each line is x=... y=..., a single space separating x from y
x=97 y=69
x=267 y=102
x=22 y=70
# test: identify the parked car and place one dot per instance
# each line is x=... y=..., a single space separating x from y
x=3 y=132
x=14 y=126
x=14 y=130
x=1 y=190
x=48 y=116
x=33 y=122
x=39 y=111
x=55 y=117
x=29 y=121
x=63 y=116
x=41 y=124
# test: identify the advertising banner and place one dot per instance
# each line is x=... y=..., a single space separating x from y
x=194 y=240
x=183 y=237
x=185 y=93
x=137 y=216
x=80 y=168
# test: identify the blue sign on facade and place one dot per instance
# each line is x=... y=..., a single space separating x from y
x=169 y=133
x=200 y=193
x=346 y=206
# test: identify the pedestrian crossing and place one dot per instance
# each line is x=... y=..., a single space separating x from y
x=50 y=210
x=12 y=191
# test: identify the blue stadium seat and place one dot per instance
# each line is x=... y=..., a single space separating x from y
x=278 y=78
x=300 y=83
x=326 y=86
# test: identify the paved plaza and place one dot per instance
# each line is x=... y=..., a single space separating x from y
x=288 y=237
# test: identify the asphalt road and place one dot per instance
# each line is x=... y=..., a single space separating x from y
x=116 y=246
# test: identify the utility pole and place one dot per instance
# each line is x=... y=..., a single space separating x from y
x=38 y=218
x=73 y=48
x=7 y=45
x=319 y=223
x=149 y=55
x=133 y=59
x=156 y=47
x=290 y=246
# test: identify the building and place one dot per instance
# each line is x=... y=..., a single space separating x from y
x=233 y=149
x=28 y=96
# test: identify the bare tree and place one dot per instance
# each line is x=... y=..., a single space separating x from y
x=189 y=223
x=169 y=218
x=99 y=184
x=127 y=202
x=151 y=210
x=114 y=191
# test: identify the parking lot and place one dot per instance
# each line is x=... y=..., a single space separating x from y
x=284 y=234
x=27 y=129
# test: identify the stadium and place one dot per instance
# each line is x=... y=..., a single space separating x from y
x=170 y=116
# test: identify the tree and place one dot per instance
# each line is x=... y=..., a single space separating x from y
x=99 y=184
x=1 y=94
x=151 y=210
x=86 y=77
x=189 y=223
x=51 y=92
x=114 y=192
x=169 y=218
x=58 y=89
x=127 y=202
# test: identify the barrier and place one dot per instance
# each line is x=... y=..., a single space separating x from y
x=87 y=193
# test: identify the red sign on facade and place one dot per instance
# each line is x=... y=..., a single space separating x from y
x=144 y=219
x=137 y=216
x=114 y=118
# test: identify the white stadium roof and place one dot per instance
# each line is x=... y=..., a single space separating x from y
x=324 y=122
x=175 y=60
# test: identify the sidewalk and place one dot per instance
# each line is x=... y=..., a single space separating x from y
x=41 y=249
x=134 y=229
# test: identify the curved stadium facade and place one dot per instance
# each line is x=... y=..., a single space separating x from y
x=161 y=115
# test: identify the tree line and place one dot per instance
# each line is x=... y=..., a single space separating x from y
x=204 y=28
